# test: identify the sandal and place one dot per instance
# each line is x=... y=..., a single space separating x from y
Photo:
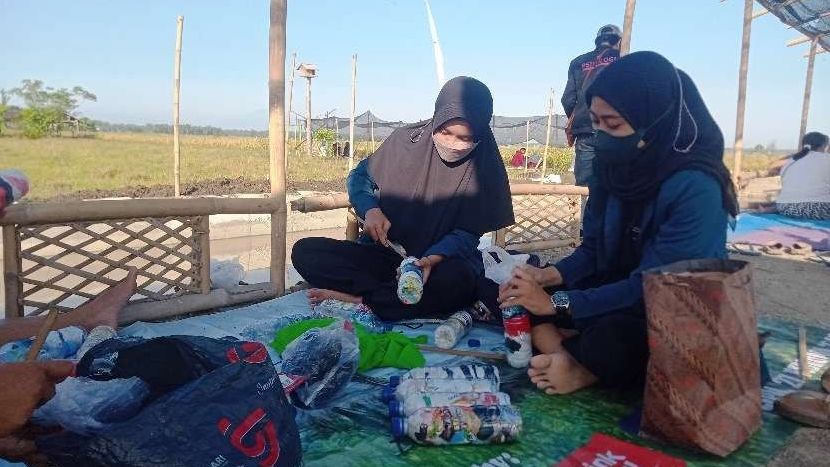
x=743 y=249
x=799 y=249
x=806 y=407
x=774 y=248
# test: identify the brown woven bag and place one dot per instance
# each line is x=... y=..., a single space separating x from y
x=703 y=387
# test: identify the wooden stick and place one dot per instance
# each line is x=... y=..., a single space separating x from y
x=177 y=74
x=372 y=124
x=204 y=254
x=808 y=88
x=12 y=286
x=527 y=143
x=351 y=112
x=41 y=335
x=463 y=353
x=803 y=362
x=547 y=137
x=276 y=139
x=308 y=138
x=628 y=23
x=290 y=100
x=742 y=78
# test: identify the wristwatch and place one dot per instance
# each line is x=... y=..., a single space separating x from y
x=561 y=304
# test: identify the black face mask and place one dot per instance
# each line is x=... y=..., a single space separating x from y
x=622 y=150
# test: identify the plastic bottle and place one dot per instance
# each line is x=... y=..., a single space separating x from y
x=449 y=372
x=417 y=402
x=95 y=337
x=61 y=344
x=429 y=385
x=410 y=282
x=453 y=329
x=517 y=336
x=357 y=313
x=442 y=426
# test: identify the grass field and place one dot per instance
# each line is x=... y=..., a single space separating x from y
x=111 y=161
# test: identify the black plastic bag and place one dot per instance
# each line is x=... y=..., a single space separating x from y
x=231 y=412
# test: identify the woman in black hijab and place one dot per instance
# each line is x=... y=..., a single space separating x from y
x=433 y=188
x=662 y=194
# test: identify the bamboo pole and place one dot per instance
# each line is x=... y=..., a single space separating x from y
x=40 y=339
x=547 y=136
x=808 y=89
x=742 y=79
x=290 y=101
x=308 y=115
x=204 y=254
x=628 y=23
x=276 y=139
x=11 y=271
x=372 y=124
x=177 y=74
x=351 y=112
x=527 y=143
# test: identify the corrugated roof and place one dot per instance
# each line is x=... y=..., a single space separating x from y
x=809 y=17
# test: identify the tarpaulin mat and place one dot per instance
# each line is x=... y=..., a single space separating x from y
x=759 y=229
x=355 y=430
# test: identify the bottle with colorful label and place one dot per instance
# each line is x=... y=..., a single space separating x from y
x=441 y=426
x=517 y=336
x=410 y=282
x=429 y=385
x=417 y=402
x=453 y=329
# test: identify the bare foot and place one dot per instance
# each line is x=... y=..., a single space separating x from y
x=104 y=309
x=315 y=296
x=559 y=373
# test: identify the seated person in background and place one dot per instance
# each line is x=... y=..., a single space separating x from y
x=518 y=158
x=805 y=180
x=661 y=194
x=442 y=184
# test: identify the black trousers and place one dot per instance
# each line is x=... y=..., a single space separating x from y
x=369 y=271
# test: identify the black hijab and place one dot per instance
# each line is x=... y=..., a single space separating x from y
x=425 y=197
x=643 y=87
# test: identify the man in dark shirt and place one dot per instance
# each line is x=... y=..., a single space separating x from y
x=581 y=73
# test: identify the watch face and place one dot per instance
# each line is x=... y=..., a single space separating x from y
x=561 y=299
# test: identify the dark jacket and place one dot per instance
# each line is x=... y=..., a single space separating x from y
x=582 y=71
x=686 y=221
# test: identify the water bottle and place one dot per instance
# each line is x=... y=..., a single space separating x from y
x=410 y=282
x=95 y=337
x=440 y=426
x=59 y=345
x=428 y=385
x=449 y=372
x=517 y=336
x=453 y=329
x=417 y=402
x=354 y=312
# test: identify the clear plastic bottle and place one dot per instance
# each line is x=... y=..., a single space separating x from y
x=517 y=336
x=417 y=402
x=410 y=282
x=95 y=337
x=449 y=372
x=61 y=344
x=441 y=426
x=429 y=385
x=355 y=312
x=453 y=329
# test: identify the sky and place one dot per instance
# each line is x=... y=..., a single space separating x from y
x=123 y=52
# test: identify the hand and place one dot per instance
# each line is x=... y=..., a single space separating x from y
x=546 y=277
x=33 y=383
x=522 y=290
x=427 y=263
x=377 y=226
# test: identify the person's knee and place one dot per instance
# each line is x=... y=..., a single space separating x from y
x=304 y=252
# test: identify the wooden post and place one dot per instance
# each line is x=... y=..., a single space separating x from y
x=547 y=137
x=308 y=115
x=204 y=254
x=177 y=74
x=11 y=273
x=351 y=112
x=290 y=101
x=628 y=23
x=808 y=89
x=276 y=139
x=742 y=77
x=372 y=125
x=527 y=143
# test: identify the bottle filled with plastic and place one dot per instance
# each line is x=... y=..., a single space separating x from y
x=440 y=426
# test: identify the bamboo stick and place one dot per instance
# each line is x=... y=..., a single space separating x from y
x=547 y=137
x=204 y=254
x=742 y=79
x=628 y=23
x=308 y=137
x=527 y=143
x=290 y=101
x=40 y=339
x=352 y=225
x=463 y=353
x=540 y=245
x=177 y=73
x=351 y=112
x=276 y=139
x=808 y=89
x=372 y=124
x=11 y=271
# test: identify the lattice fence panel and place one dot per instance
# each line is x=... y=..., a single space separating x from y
x=544 y=217
x=64 y=265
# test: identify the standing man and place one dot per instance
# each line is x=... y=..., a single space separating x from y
x=581 y=73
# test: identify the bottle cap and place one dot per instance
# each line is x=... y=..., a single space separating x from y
x=388 y=393
x=395 y=409
x=474 y=343
x=398 y=427
x=394 y=381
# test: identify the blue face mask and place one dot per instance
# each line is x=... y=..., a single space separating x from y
x=621 y=150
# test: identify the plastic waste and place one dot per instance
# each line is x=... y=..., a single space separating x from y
x=441 y=426
x=85 y=406
x=517 y=336
x=326 y=358
x=429 y=385
x=410 y=282
x=449 y=372
x=95 y=337
x=417 y=402
x=453 y=329
x=355 y=312
x=226 y=274
x=61 y=344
